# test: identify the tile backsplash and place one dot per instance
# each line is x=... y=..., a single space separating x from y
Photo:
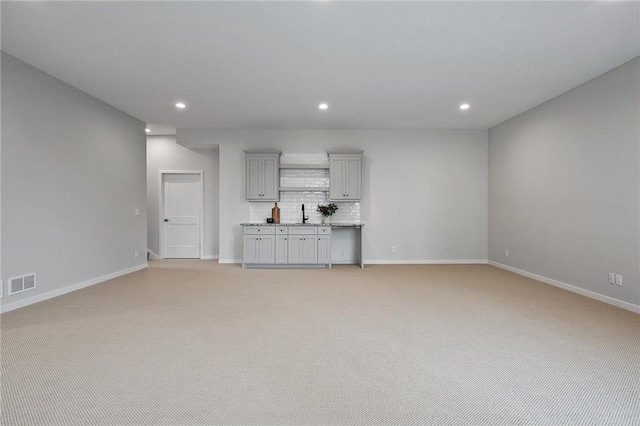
x=291 y=202
x=304 y=178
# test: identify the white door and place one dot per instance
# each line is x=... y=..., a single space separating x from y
x=182 y=197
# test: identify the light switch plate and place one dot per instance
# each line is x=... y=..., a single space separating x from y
x=137 y=212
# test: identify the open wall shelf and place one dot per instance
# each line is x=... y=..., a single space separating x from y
x=305 y=166
x=304 y=189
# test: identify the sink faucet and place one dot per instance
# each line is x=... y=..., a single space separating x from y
x=304 y=218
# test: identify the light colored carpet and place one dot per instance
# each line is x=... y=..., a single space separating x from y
x=193 y=342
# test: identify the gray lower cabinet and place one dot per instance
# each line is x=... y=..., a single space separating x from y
x=258 y=245
x=282 y=249
x=259 y=249
x=287 y=246
x=303 y=249
x=324 y=249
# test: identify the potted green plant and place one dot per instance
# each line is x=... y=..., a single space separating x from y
x=327 y=211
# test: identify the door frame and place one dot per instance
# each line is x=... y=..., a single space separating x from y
x=200 y=173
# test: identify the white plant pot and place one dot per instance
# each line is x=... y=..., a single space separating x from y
x=326 y=219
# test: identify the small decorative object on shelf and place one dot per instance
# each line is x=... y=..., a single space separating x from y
x=327 y=211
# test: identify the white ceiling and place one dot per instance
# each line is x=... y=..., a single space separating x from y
x=269 y=64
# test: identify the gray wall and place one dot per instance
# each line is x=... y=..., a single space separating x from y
x=564 y=186
x=163 y=153
x=73 y=172
x=424 y=191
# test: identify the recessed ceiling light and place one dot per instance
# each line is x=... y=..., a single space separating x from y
x=323 y=106
x=147 y=130
x=181 y=105
x=465 y=106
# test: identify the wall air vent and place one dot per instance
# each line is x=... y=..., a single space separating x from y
x=22 y=283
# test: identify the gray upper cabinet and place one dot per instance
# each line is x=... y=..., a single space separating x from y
x=262 y=175
x=345 y=176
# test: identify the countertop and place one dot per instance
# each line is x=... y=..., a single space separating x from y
x=333 y=225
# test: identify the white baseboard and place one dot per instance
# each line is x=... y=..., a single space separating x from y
x=401 y=262
x=588 y=293
x=428 y=262
x=154 y=256
x=6 y=307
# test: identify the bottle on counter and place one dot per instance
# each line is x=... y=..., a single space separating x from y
x=275 y=214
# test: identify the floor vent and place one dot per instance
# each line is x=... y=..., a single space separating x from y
x=22 y=283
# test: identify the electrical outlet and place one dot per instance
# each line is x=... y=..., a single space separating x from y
x=394 y=249
x=136 y=253
x=612 y=278
x=618 y=279
x=506 y=253
x=137 y=212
